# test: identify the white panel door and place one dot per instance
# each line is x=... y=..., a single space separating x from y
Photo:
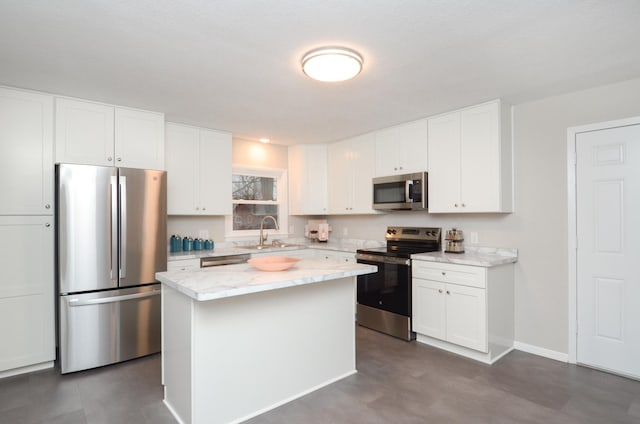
x=428 y=308
x=215 y=172
x=362 y=166
x=444 y=162
x=84 y=132
x=467 y=316
x=387 y=152
x=26 y=153
x=182 y=147
x=608 y=231
x=26 y=291
x=480 y=159
x=412 y=146
x=340 y=177
x=139 y=139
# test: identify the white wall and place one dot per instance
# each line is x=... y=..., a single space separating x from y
x=538 y=228
x=244 y=153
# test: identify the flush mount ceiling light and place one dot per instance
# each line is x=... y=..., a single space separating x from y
x=332 y=64
x=264 y=140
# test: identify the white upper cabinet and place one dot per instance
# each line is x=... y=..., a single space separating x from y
x=308 y=179
x=470 y=160
x=139 y=139
x=99 y=134
x=351 y=168
x=198 y=171
x=401 y=149
x=26 y=153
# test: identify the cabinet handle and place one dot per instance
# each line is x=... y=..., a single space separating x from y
x=204 y=209
x=444 y=273
x=455 y=204
x=109 y=158
x=439 y=290
x=47 y=206
x=401 y=168
x=197 y=208
x=47 y=225
x=119 y=159
x=463 y=205
x=448 y=292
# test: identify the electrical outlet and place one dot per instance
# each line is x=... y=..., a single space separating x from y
x=345 y=232
x=474 y=237
x=203 y=234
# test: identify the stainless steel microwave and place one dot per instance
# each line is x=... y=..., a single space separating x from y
x=401 y=192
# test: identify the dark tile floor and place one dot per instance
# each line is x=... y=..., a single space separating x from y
x=397 y=382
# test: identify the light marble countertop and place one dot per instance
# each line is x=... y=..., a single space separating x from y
x=234 y=248
x=235 y=280
x=476 y=256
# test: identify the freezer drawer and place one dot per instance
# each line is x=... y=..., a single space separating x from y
x=112 y=326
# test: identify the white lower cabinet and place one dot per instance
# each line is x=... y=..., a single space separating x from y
x=335 y=255
x=183 y=264
x=464 y=309
x=26 y=294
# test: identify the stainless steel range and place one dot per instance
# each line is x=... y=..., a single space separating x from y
x=384 y=298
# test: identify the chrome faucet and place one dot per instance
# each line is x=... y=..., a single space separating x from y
x=263 y=237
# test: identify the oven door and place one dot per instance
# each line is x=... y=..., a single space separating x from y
x=388 y=289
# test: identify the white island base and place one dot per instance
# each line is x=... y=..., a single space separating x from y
x=229 y=359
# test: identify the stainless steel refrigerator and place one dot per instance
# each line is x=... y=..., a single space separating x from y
x=111 y=240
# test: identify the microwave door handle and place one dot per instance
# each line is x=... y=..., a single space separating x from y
x=408 y=195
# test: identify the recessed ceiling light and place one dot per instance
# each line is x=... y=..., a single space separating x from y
x=332 y=64
x=264 y=140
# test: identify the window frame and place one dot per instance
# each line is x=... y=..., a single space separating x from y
x=282 y=202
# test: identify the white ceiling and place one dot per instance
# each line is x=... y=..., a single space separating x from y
x=234 y=64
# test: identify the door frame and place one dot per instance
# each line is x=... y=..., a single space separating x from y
x=572 y=242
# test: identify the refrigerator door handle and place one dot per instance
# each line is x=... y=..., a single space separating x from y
x=123 y=227
x=113 y=228
x=78 y=302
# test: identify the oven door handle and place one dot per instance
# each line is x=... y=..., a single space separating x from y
x=383 y=259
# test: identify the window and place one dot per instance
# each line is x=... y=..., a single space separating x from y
x=257 y=193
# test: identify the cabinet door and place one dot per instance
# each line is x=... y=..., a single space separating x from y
x=26 y=153
x=429 y=308
x=215 y=172
x=183 y=164
x=84 y=132
x=387 y=152
x=466 y=316
x=183 y=264
x=444 y=163
x=412 y=146
x=362 y=167
x=340 y=178
x=139 y=139
x=27 y=291
x=308 y=179
x=480 y=159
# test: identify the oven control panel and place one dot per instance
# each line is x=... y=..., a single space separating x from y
x=413 y=233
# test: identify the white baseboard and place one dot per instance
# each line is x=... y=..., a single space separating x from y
x=540 y=351
x=24 y=370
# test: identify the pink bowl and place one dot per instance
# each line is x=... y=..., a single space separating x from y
x=273 y=263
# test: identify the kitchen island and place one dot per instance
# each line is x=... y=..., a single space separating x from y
x=238 y=342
